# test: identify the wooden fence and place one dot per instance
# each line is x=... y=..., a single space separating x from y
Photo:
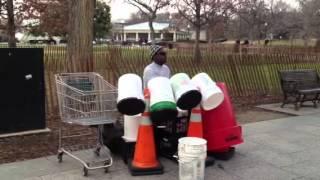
x=246 y=74
x=252 y=49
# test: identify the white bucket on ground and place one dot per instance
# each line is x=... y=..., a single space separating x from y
x=192 y=168
x=212 y=96
x=192 y=154
x=131 y=126
x=186 y=93
x=130 y=97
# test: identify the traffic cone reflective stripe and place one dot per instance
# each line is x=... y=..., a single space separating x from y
x=195 y=128
x=196 y=116
x=145 y=120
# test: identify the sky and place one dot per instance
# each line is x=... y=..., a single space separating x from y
x=121 y=10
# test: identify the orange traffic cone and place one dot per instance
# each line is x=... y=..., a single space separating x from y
x=145 y=160
x=195 y=128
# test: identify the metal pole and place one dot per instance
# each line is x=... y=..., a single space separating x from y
x=122 y=32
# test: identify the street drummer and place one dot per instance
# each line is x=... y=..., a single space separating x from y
x=158 y=67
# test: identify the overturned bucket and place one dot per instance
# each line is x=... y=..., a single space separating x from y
x=130 y=96
x=212 y=96
x=162 y=102
x=186 y=93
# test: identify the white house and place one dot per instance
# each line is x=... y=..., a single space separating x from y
x=141 y=32
x=203 y=35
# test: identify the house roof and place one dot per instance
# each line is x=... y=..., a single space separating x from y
x=145 y=26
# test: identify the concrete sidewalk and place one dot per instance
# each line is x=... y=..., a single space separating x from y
x=307 y=109
x=284 y=149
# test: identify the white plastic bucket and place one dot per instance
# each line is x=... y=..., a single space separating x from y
x=131 y=126
x=212 y=96
x=192 y=168
x=186 y=93
x=192 y=146
x=130 y=96
x=192 y=153
x=161 y=94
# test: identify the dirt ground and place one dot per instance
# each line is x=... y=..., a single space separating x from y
x=252 y=114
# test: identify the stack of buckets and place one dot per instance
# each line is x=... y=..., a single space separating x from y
x=220 y=128
x=131 y=103
x=192 y=151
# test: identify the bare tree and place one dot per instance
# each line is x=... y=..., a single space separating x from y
x=149 y=8
x=10 y=24
x=200 y=13
x=285 y=21
x=11 y=17
x=80 y=36
x=254 y=13
x=2 y=7
x=310 y=10
x=51 y=17
x=136 y=17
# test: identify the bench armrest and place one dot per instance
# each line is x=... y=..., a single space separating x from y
x=290 y=86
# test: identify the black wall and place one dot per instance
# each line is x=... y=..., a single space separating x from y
x=22 y=92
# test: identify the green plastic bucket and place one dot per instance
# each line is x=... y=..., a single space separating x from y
x=186 y=93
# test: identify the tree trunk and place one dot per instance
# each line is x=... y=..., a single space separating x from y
x=251 y=33
x=197 y=25
x=197 y=52
x=11 y=26
x=259 y=34
x=0 y=13
x=80 y=36
x=152 y=31
x=210 y=35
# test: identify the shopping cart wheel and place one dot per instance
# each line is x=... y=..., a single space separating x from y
x=97 y=151
x=59 y=156
x=85 y=171
x=106 y=169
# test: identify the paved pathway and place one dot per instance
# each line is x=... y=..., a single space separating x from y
x=283 y=149
x=308 y=109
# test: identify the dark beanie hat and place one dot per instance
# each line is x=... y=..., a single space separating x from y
x=154 y=49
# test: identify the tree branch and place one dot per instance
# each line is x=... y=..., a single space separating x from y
x=138 y=3
x=140 y=9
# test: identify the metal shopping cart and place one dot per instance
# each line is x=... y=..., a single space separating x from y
x=85 y=99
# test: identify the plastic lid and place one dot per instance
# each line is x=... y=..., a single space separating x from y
x=165 y=105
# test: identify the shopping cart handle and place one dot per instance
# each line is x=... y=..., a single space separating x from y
x=161 y=127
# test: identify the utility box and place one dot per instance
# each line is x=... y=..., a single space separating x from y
x=22 y=90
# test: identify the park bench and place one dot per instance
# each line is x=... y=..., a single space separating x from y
x=301 y=86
